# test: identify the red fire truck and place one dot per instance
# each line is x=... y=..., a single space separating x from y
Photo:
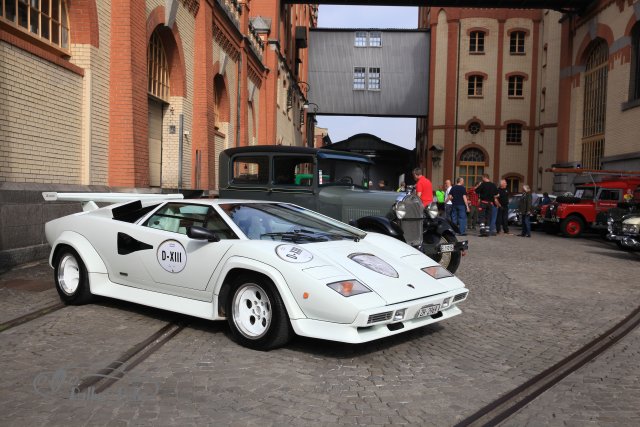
x=588 y=207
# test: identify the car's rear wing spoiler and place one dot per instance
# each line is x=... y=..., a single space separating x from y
x=89 y=200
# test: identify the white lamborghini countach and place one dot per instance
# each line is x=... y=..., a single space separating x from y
x=270 y=269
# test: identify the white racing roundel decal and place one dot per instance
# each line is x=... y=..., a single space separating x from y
x=172 y=256
x=292 y=253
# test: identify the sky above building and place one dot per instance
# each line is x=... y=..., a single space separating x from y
x=399 y=131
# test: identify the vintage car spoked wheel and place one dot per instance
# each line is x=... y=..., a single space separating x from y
x=572 y=226
x=72 y=280
x=257 y=316
x=449 y=260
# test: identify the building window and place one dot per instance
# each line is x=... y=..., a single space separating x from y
x=475 y=86
x=472 y=164
x=476 y=42
x=515 y=86
x=361 y=39
x=358 y=78
x=375 y=39
x=634 y=84
x=158 y=68
x=374 y=78
x=513 y=184
x=514 y=133
x=516 y=45
x=595 y=99
x=46 y=19
x=474 y=128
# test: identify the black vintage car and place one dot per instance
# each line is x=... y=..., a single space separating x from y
x=620 y=223
x=336 y=184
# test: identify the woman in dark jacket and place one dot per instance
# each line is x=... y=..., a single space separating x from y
x=525 y=211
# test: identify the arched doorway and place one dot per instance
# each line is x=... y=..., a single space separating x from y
x=595 y=104
x=471 y=166
x=158 y=90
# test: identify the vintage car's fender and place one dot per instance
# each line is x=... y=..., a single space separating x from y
x=92 y=261
x=379 y=224
x=238 y=262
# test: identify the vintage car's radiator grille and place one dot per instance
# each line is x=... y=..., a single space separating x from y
x=460 y=297
x=379 y=317
x=355 y=213
x=412 y=222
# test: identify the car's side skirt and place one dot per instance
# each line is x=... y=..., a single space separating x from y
x=101 y=285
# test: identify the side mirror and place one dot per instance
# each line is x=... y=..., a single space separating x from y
x=201 y=233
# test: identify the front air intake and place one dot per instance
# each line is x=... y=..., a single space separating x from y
x=380 y=317
x=460 y=297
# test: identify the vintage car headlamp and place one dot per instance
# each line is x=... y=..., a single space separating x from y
x=630 y=228
x=349 y=288
x=437 y=272
x=401 y=210
x=374 y=263
x=432 y=210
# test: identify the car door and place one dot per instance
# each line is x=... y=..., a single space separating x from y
x=608 y=198
x=158 y=255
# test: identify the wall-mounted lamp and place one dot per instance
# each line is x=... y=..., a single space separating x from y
x=313 y=105
x=436 y=154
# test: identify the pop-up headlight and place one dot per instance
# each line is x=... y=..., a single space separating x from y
x=374 y=263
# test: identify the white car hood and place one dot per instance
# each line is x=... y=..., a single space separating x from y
x=392 y=289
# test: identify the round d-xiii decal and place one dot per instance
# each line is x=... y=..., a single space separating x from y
x=172 y=256
x=292 y=253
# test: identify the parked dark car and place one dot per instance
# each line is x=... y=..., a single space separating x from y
x=622 y=223
x=515 y=217
x=336 y=184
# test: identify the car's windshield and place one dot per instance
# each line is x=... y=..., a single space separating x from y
x=343 y=172
x=514 y=202
x=281 y=221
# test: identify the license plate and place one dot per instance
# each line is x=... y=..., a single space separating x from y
x=428 y=310
x=446 y=248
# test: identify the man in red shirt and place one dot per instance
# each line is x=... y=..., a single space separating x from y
x=424 y=188
x=474 y=201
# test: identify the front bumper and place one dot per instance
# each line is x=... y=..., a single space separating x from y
x=626 y=241
x=376 y=323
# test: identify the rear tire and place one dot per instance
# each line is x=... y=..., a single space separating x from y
x=256 y=314
x=572 y=226
x=71 y=278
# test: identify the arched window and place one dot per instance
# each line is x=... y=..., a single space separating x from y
x=516 y=43
x=46 y=19
x=595 y=100
x=516 y=83
x=514 y=133
x=476 y=42
x=513 y=183
x=157 y=68
x=475 y=85
x=634 y=84
x=471 y=167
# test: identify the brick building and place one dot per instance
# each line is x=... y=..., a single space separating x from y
x=513 y=92
x=138 y=95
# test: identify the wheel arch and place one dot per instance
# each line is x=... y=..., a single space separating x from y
x=237 y=266
x=87 y=253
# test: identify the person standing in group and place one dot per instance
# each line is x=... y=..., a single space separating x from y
x=460 y=205
x=472 y=196
x=546 y=200
x=402 y=187
x=503 y=210
x=525 y=211
x=424 y=188
x=448 y=206
x=487 y=192
x=440 y=199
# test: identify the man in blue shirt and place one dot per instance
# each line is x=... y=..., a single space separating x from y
x=460 y=205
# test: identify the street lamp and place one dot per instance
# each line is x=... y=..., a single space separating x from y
x=307 y=104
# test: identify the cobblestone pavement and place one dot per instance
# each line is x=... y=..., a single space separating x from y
x=532 y=302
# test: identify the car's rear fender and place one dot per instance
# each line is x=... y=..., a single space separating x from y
x=92 y=261
x=236 y=265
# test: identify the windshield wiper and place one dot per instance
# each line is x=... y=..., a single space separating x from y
x=297 y=235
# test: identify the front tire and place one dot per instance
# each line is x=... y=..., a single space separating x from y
x=256 y=314
x=71 y=278
x=572 y=226
x=449 y=260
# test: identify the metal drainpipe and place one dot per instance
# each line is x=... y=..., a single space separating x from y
x=238 y=97
x=180 y=144
x=455 y=125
